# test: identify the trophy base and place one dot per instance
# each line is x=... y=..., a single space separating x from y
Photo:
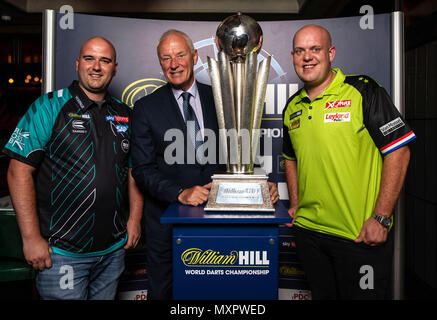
x=239 y=192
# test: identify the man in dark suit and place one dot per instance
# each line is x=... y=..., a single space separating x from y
x=161 y=180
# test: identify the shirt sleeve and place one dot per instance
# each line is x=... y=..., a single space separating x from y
x=28 y=141
x=287 y=146
x=383 y=121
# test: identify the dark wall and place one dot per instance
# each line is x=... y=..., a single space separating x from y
x=421 y=182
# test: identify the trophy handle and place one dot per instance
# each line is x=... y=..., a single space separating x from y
x=259 y=97
x=218 y=100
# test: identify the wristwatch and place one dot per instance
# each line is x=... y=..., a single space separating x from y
x=383 y=220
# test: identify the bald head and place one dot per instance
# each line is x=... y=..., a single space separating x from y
x=313 y=30
x=312 y=56
x=100 y=42
x=95 y=67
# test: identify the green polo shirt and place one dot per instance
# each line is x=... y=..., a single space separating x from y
x=339 y=140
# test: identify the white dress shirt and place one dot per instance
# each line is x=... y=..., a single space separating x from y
x=194 y=102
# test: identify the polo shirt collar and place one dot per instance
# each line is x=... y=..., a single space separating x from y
x=337 y=82
x=81 y=98
x=333 y=88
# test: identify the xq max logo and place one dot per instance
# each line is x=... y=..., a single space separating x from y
x=338 y=104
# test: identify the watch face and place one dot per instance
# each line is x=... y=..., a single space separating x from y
x=386 y=222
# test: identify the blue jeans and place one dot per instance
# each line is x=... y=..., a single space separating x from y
x=88 y=278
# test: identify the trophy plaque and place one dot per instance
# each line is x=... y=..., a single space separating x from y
x=239 y=87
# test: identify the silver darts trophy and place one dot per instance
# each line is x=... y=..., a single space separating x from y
x=239 y=88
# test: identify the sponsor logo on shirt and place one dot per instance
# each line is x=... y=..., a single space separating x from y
x=296 y=114
x=78 y=126
x=125 y=145
x=294 y=124
x=392 y=126
x=117 y=118
x=121 y=129
x=122 y=119
x=338 y=104
x=79 y=116
x=338 y=117
x=18 y=137
x=79 y=102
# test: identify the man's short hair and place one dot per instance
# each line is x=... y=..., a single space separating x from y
x=171 y=32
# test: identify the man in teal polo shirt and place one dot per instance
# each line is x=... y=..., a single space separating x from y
x=346 y=160
x=68 y=177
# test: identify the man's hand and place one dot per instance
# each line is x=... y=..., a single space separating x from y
x=136 y=202
x=291 y=176
x=37 y=253
x=133 y=233
x=195 y=195
x=274 y=194
x=372 y=233
x=292 y=213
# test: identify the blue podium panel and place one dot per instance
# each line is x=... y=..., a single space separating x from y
x=225 y=262
x=231 y=256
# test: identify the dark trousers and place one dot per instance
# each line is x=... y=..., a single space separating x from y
x=338 y=268
x=159 y=259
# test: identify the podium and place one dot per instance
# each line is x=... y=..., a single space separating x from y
x=224 y=256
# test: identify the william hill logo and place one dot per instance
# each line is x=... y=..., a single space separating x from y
x=195 y=257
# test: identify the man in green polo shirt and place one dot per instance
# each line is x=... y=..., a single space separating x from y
x=346 y=160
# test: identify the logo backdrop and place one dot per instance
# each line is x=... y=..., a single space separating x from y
x=358 y=52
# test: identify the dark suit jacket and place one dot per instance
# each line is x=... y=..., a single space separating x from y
x=153 y=116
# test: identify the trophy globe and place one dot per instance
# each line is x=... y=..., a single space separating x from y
x=239 y=35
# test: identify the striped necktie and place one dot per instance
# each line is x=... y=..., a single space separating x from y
x=191 y=116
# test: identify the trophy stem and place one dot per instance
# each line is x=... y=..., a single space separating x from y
x=239 y=81
x=247 y=112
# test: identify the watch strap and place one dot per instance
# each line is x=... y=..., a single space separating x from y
x=383 y=220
